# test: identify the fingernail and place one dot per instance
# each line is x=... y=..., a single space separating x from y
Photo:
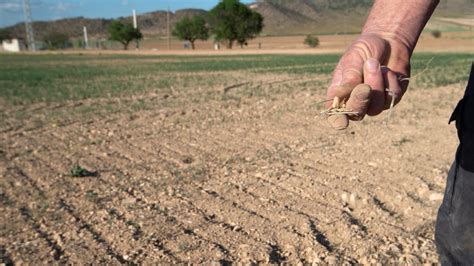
x=372 y=65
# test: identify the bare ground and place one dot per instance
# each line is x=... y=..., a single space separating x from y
x=255 y=180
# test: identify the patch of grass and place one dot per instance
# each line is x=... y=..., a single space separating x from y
x=26 y=79
x=29 y=79
x=402 y=141
x=444 y=69
x=79 y=171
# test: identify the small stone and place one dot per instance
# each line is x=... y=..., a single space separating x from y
x=129 y=201
x=352 y=198
x=331 y=260
x=345 y=197
x=188 y=160
x=436 y=197
x=372 y=164
x=170 y=191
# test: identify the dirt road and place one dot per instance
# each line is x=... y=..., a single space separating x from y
x=256 y=180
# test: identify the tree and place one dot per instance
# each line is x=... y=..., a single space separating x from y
x=123 y=33
x=232 y=21
x=311 y=41
x=4 y=35
x=191 y=29
x=56 y=40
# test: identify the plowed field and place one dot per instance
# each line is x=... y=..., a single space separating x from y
x=199 y=171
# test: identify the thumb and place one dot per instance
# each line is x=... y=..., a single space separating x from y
x=374 y=78
x=358 y=102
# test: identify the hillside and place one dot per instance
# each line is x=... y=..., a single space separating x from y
x=281 y=17
x=153 y=23
x=312 y=16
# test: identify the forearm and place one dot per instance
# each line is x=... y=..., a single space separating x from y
x=401 y=20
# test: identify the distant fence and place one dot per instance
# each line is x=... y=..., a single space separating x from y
x=98 y=44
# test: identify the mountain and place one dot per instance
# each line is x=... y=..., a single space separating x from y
x=281 y=17
x=312 y=16
x=153 y=23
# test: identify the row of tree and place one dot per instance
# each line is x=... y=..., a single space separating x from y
x=229 y=21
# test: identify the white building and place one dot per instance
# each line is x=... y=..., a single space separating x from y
x=254 y=5
x=13 y=45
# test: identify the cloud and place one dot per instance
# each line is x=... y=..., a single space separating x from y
x=124 y=2
x=10 y=6
x=61 y=7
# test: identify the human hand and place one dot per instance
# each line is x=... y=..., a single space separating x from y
x=381 y=62
x=379 y=58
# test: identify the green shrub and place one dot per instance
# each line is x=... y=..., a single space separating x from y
x=5 y=35
x=311 y=41
x=79 y=171
x=436 y=33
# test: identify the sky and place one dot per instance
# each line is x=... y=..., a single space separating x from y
x=11 y=11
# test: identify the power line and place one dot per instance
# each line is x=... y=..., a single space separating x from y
x=30 y=37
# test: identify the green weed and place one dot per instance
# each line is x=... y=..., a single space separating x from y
x=79 y=171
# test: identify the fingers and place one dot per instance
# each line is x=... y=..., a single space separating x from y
x=394 y=89
x=347 y=75
x=359 y=101
x=341 y=91
x=338 y=122
x=374 y=78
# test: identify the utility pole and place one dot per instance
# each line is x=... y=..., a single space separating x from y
x=86 y=38
x=134 y=19
x=168 y=28
x=30 y=37
x=135 y=26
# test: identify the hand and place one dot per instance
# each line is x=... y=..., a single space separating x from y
x=383 y=63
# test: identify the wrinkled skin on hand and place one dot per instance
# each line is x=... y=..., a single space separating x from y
x=378 y=61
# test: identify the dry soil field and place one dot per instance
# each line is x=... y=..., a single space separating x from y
x=188 y=172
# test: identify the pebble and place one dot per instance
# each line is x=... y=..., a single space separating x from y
x=352 y=199
x=345 y=197
x=436 y=197
x=129 y=201
x=372 y=164
x=331 y=260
